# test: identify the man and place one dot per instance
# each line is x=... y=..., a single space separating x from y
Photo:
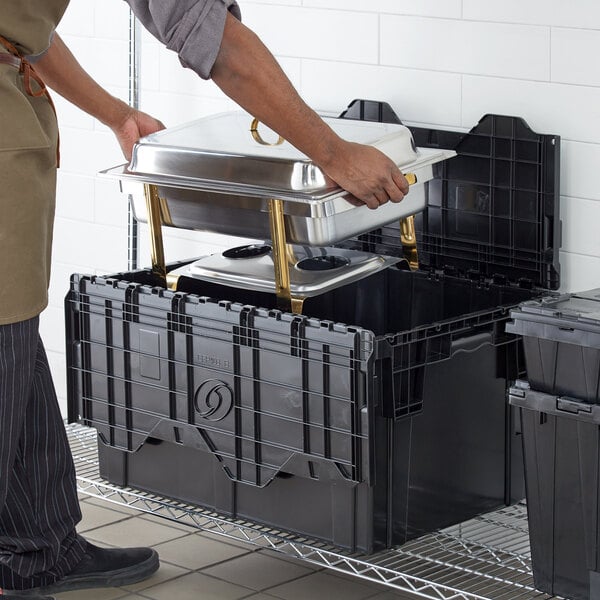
x=40 y=551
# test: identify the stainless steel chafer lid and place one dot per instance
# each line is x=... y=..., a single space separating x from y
x=231 y=153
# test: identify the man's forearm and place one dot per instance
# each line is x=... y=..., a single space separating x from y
x=60 y=71
x=247 y=72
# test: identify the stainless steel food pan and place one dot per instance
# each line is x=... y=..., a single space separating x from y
x=218 y=173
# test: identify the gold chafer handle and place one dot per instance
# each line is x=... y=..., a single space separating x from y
x=258 y=138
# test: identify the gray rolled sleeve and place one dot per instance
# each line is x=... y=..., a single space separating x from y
x=192 y=28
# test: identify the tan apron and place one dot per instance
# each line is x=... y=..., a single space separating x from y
x=28 y=160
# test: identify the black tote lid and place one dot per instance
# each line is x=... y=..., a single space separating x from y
x=493 y=210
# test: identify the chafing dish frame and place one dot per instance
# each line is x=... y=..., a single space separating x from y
x=282 y=258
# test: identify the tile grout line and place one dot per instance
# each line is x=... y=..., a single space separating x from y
x=262 y=590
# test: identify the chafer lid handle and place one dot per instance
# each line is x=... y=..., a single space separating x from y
x=258 y=138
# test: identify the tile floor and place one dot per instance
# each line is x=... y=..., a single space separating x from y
x=204 y=566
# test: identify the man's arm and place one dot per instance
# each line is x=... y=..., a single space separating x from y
x=60 y=70
x=249 y=74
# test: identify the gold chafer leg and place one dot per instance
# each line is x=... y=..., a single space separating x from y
x=297 y=305
x=153 y=208
x=408 y=236
x=282 y=257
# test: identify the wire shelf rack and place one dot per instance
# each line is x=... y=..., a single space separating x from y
x=486 y=558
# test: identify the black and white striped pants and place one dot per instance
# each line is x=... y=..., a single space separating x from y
x=38 y=498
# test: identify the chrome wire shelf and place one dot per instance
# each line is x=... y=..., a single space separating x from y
x=486 y=558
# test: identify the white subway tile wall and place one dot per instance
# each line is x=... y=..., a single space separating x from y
x=572 y=50
x=441 y=63
x=455 y=46
x=429 y=8
x=571 y=111
x=584 y=14
x=338 y=35
x=331 y=86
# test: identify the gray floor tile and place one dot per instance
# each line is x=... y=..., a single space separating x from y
x=113 y=505
x=322 y=586
x=132 y=597
x=135 y=532
x=98 y=594
x=196 y=586
x=176 y=524
x=98 y=516
x=166 y=572
x=257 y=571
x=234 y=541
x=196 y=552
x=293 y=560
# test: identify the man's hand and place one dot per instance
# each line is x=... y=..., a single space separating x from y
x=368 y=174
x=61 y=71
x=134 y=125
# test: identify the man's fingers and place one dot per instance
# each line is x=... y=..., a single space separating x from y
x=381 y=196
x=395 y=194
x=397 y=186
x=371 y=201
x=375 y=182
x=400 y=181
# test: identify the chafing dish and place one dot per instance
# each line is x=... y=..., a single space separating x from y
x=217 y=174
x=229 y=174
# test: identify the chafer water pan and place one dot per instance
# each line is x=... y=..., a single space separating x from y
x=314 y=271
x=218 y=173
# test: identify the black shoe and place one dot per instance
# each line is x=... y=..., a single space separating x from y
x=106 y=567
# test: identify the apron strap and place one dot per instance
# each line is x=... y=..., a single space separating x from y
x=29 y=75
